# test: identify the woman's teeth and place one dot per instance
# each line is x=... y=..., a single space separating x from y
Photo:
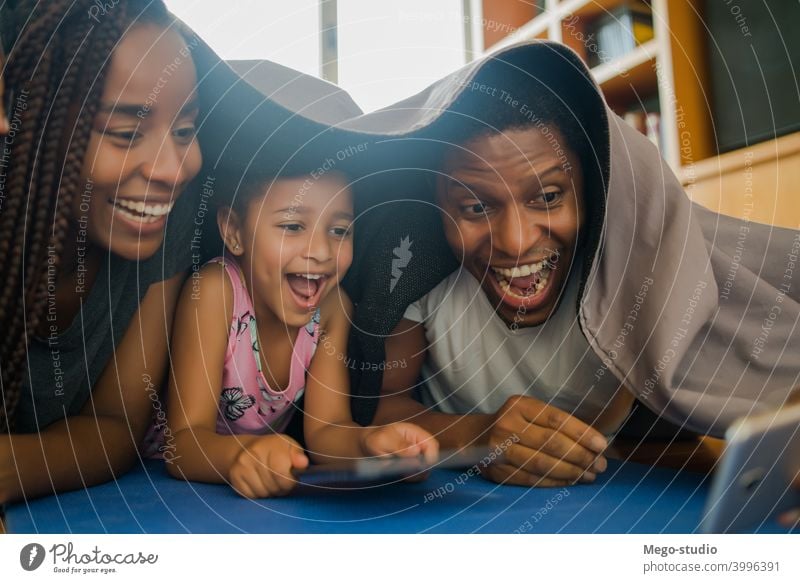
x=140 y=211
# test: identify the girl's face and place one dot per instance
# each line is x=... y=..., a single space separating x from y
x=142 y=152
x=295 y=243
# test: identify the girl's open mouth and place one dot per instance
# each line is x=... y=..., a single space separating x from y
x=307 y=288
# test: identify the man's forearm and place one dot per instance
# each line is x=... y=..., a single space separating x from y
x=452 y=431
x=81 y=451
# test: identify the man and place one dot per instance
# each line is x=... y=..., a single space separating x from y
x=584 y=278
x=500 y=334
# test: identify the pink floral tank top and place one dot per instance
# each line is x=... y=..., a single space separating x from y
x=247 y=404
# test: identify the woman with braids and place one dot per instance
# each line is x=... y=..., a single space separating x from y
x=101 y=220
x=99 y=149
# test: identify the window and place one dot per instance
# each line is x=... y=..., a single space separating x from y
x=390 y=50
x=386 y=50
x=284 y=32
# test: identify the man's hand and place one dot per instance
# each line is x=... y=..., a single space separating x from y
x=549 y=447
x=264 y=467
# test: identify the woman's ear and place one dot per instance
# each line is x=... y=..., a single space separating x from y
x=230 y=228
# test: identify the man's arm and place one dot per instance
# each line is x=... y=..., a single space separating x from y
x=541 y=444
x=101 y=442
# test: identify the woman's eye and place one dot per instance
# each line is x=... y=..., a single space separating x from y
x=186 y=133
x=123 y=137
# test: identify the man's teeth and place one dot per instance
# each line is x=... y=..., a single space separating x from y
x=542 y=268
x=532 y=290
x=140 y=211
x=524 y=270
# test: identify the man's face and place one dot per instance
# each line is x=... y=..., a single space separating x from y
x=512 y=208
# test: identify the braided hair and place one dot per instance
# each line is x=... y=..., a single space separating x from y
x=56 y=70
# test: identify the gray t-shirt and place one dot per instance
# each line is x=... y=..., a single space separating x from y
x=475 y=362
x=64 y=369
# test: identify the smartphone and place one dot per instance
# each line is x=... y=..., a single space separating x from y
x=377 y=471
x=753 y=483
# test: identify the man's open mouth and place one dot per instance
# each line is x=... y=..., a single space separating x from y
x=525 y=281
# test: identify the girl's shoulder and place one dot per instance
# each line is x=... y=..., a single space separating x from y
x=214 y=281
x=336 y=307
x=207 y=303
x=221 y=270
x=220 y=265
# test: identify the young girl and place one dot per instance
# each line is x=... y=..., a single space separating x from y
x=261 y=325
x=91 y=270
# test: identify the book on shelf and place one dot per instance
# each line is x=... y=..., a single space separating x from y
x=619 y=31
x=647 y=123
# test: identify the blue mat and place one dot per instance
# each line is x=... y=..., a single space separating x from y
x=628 y=498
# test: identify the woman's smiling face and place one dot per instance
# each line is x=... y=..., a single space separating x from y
x=143 y=151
